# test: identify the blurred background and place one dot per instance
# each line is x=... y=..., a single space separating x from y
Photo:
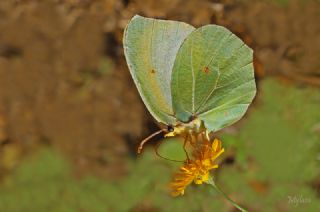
x=71 y=117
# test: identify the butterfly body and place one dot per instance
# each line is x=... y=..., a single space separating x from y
x=182 y=129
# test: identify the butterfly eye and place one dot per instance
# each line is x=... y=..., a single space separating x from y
x=170 y=128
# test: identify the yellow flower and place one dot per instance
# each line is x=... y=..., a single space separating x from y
x=197 y=169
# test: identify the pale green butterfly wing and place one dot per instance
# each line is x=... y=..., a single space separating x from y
x=213 y=78
x=150 y=47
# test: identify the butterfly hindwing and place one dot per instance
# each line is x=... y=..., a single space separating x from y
x=150 y=47
x=213 y=77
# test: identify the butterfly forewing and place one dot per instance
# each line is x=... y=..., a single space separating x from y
x=150 y=47
x=213 y=77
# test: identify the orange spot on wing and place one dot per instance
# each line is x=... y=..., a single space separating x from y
x=206 y=69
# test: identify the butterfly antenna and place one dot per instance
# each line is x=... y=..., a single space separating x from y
x=147 y=139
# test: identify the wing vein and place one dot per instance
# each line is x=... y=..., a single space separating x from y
x=228 y=102
x=151 y=44
x=219 y=48
x=193 y=79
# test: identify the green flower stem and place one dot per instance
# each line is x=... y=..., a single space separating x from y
x=211 y=182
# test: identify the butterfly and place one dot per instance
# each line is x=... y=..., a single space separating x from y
x=191 y=80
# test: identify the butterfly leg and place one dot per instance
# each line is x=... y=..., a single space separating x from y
x=184 y=146
x=158 y=154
